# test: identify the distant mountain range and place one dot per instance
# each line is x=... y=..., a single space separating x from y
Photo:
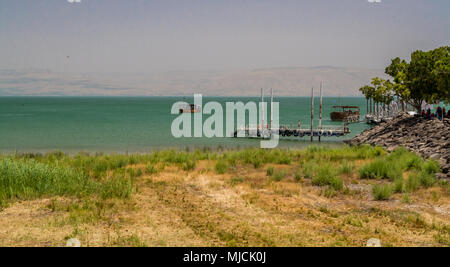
x=289 y=81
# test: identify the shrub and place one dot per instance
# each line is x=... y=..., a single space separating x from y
x=232 y=162
x=150 y=169
x=117 y=187
x=134 y=172
x=189 y=165
x=427 y=179
x=417 y=179
x=330 y=192
x=270 y=171
x=346 y=168
x=414 y=162
x=236 y=180
x=413 y=182
x=405 y=159
x=380 y=169
x=406 y=198
x=367 y=151
x=309 y=168
x=279 y=175
x=100 y=167
x=221 y=167
x=398 y=185
x=284 y=159
x=257 y=162
x=431 y=167
x=382 y=192
x=373 y=170
x=327 y=176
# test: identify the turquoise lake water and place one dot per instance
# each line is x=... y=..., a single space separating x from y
x=135 y=124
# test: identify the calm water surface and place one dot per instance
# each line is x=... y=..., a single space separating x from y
x=134 y=124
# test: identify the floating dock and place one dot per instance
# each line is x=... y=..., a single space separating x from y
x=325 y=131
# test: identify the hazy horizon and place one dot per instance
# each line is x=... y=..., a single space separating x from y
x=243 y=44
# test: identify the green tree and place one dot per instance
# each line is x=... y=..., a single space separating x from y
x=383 y=90
x=441 y=73
x=368 y=91
x=427 y=76
x=397 y=70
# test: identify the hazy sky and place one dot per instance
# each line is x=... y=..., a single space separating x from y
x=150 y=35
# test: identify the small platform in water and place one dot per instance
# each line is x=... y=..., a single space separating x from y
x=347 y=114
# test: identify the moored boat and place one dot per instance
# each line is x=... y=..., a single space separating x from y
x=346 y=114
x=190 y=108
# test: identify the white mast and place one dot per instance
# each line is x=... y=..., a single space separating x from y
x=262 y=109
x=271 y=107
x=320 y=111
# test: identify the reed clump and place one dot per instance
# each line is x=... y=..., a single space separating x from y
x=326 y=176
x=27 y=179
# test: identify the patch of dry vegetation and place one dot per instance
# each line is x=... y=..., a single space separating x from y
x=252 y=197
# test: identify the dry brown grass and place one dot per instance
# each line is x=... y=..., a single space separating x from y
x=242 y=207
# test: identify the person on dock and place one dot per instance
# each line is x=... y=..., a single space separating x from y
x=428 y=114
x=439 y=113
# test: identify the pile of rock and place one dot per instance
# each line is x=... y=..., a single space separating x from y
x=429 y=138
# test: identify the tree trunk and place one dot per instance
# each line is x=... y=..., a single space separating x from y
x=417 y=104
x=367 y=106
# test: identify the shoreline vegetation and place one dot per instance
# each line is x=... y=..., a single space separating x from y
x=316 y=196
x=428 y=138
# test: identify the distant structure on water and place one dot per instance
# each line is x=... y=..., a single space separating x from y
x=377 y=112
x=347 y=114
x=190 y=108
x=266 y=130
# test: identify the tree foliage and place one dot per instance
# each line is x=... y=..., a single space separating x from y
x=425 y=78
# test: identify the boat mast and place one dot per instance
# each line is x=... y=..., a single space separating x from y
x=271 y=108
x=262 y=109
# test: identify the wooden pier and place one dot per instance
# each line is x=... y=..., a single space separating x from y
x=264 y=131
x=284 y=131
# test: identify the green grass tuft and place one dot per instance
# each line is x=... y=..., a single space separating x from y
x=270 y=170
x=327 y=176
x=382 y=192
x=221 y=167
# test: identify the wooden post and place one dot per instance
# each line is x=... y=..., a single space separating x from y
x=320 y=110
x=367 y=106
x=312 y=112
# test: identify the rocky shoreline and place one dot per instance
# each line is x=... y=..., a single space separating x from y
x=429 y=138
